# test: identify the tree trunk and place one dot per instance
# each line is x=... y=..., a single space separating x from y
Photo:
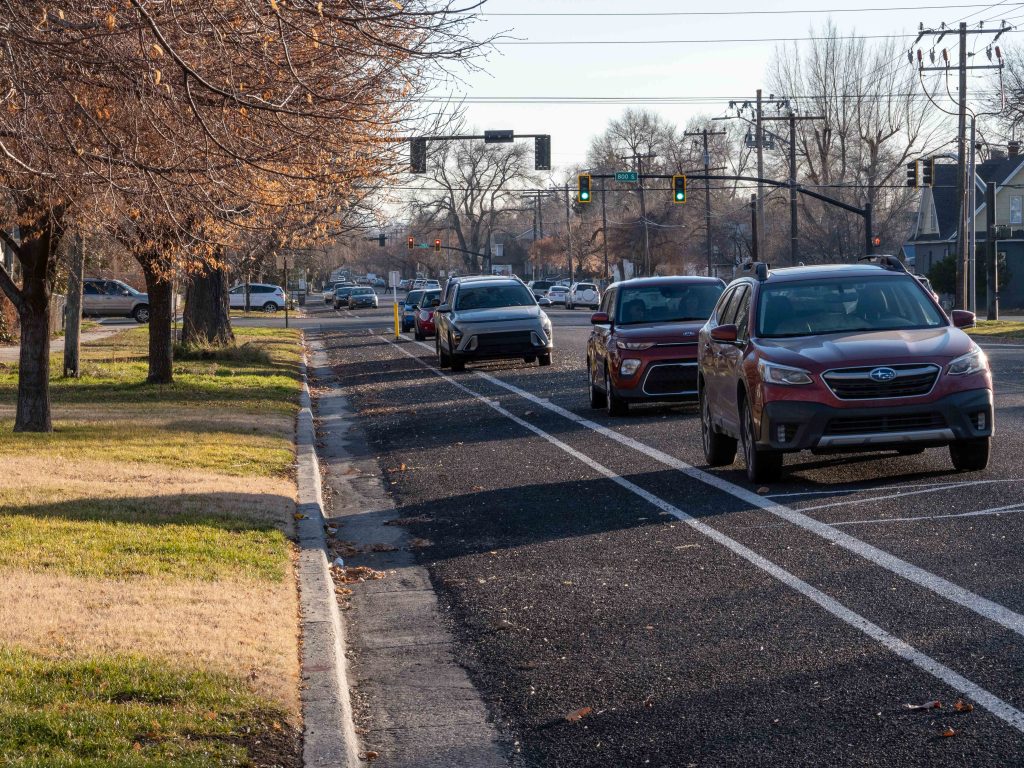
x=33 y=414
x=207 y=317
x=73 y=313
x=161 y=314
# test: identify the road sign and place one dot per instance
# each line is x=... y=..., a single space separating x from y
x=626 y=176
x=394 y=278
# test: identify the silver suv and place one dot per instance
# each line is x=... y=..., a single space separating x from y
x=488 y=318
x=112 y=298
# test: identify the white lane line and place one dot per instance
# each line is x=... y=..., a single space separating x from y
x=1001 y=709
x=887 y=497
x=876 y=488
x=972 y=601
x=1009 y=509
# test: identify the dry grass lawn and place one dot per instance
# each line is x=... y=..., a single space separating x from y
x=154 y=530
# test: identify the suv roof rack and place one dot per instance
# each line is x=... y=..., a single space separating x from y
x=886 y=261
x=760 y=268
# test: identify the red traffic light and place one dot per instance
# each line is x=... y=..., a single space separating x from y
x=437 y=246
x=412 y=243
x=876 y=240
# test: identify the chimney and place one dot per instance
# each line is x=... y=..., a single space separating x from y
x=996 y=154
x=1013 y=149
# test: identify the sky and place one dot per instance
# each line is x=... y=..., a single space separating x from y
x=701 y=75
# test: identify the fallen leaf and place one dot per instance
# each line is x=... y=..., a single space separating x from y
x=963 y=706
x=210 y=715
x=947 y=732
x=299 y=516
x=370 y=755
x=579 y=714
x=764 y=489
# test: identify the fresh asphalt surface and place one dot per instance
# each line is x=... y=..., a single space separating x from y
x=700 y=621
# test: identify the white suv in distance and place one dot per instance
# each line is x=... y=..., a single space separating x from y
x=112 y=298
x=269 y=298
x=585 y=294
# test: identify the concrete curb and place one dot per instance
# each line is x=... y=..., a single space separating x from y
x=329 y=732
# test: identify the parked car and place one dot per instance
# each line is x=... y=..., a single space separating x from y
x=424 y=318
x=403 y=285
x=540 y=287
x=556 y=294
x=362 y=297
x=495 y=317
x=409 y=305
x=643 y=345
x=112 y=298
x=269 y=298
x=380 y=282
x=331 y=287
x=449 y=287
x=840 y=358
x=341 y=295
x=585 y=294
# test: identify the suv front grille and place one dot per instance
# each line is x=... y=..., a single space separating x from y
x=496 y=343
x=671 y=379
x=884 y=423
x=857 y=384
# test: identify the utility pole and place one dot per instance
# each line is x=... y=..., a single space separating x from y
x=963 y=183
x=991 y=252
x=639 y=161
x=604 y=228
x=704 y=133
x=754 y=250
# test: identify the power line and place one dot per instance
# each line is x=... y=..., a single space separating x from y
x=788 y=11
x=700 y=41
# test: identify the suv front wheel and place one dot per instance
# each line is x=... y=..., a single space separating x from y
x=141 y=313
x=762 y=466
x=970 y=455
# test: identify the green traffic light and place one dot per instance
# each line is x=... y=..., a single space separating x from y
x=679 y=195
x=584 y=195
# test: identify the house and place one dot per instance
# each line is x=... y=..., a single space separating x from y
x=935 y=231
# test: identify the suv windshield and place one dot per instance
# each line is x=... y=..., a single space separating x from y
x=493 y=296
x=667 y=303
x=843 y=305
x=362 y=292
x=413 y=298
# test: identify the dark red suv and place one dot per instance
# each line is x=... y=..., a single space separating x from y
x=643 y=346
x=839 y=358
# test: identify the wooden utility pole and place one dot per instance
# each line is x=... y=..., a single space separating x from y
x=73 y=310
x=704 y=133
x=754 y=250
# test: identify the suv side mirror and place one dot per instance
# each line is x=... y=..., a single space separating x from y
x=724 y=334
x=444 y=308
x=599 y=318
x=963 y=319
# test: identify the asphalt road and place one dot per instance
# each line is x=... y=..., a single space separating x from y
x=592 y=562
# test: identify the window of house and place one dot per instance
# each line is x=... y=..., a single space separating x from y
x=1016 y=210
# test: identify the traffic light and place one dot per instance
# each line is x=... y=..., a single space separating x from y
x=678 y=189
x=381 y=240
x=584 y=188
x=928 y=172
x=412 y=242
x=542 y=153
x=437 y=246
x=418 y=155
x=913 y=174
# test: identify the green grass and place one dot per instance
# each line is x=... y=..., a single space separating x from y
x=127 y=712
x=1007 y=329
x=114 y=369
x=178 y=537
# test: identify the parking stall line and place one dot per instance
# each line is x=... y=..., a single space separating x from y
x=997 y=706
x=851 y=491
x=934 y=583
x=1009 y=509
x=890 y=496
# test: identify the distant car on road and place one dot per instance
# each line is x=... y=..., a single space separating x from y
x=412 y=300
x=265 y=296
x=540 y=287
x=840 y=358
x=341 y=295
x=362 y=296
x=557 y=293
x=643 y=346
x=424 y=318
x=112 y=298
x=585 y=294
x=489 y=318
x=404 y=285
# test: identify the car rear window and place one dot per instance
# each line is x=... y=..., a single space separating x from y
x=844 y=305
x=493 y=296
x=667 y=303
x=540 y=285
x=586 y=287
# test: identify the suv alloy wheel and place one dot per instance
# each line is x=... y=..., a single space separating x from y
x=141 y=313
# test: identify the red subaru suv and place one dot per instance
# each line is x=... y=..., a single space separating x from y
x=643 y=346
x=839 y=358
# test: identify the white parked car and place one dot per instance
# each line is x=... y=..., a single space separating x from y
x=583 y=294
x=557 y=294
x=269 y=298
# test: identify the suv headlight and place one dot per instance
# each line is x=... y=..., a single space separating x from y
x=456 y=334
x=634 y=345
x=773 y=373
x=974 y=361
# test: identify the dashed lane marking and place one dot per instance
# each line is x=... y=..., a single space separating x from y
x=957 y=682
x=934 y=583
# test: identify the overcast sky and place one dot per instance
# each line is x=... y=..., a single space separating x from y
x=702 y=75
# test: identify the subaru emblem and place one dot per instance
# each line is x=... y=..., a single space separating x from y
x=882 y=374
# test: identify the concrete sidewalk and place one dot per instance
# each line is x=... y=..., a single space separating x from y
x=10 y=354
